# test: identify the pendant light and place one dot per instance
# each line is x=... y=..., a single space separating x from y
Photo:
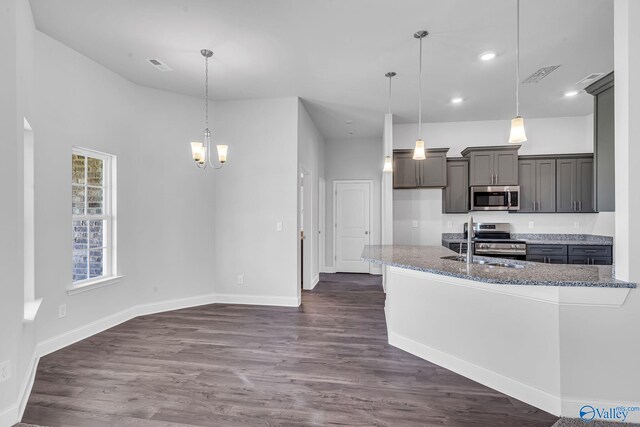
x=418 y=151
x=388 y=162
x=517 y=134
x=201 y=151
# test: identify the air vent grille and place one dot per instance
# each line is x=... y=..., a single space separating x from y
x=541 y=74
x=159 y=65
x=589 y=79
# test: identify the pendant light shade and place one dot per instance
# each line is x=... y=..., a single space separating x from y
x=418 y=151
x=517 y=135
x=388 y=164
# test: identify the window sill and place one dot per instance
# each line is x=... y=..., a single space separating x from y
x=31 y=310
x=105 y=281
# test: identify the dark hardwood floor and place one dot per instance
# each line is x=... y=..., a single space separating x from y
x=325 y=363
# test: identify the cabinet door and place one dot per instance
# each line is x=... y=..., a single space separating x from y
x=565 y=185
x=505 y=168
x=481 y=169
x=584 y=190
x=456 y=193
x=433 y=170
x=405 y=170
x=545 y=185
x=527 y=180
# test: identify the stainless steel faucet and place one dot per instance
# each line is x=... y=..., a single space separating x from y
x=469 y=238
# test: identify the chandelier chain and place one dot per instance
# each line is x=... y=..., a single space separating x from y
x=206 y=91
x=517 y=57
x=420 y=96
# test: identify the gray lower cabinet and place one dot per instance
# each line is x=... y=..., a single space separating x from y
x=455 y=196
x=428 y=173
x=496 y=165
x=574 y=184
x=570 y=254
x=537 y=180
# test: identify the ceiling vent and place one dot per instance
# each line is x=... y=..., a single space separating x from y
x=541 y=74
x=159 y=65
x=589 y=79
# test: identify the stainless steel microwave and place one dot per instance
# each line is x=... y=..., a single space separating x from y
x=495 y=198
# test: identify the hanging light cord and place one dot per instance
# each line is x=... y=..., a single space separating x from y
x=517 y=57
x=390 y=77
x=206 y=91
x=420 y=96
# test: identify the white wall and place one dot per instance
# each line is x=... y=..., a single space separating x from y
x=354 y=158
x=311 y=153
x=257 y=189
x=546 y=136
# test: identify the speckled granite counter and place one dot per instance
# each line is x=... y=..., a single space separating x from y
x=429 y=259
x=542 y=239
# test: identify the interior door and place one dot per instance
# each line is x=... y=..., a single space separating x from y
x=353 y=230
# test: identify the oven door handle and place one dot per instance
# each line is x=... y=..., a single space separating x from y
x=508 y=198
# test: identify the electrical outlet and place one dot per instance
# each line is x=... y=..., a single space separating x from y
x=576 y=224
x=279 y=226
x=5 y=371
x=530 y=224
x=449 y=224
x=62 y=311
x=240 y=279
x=414 y=224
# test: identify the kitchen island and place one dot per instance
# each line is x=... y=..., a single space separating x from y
x=519 y=327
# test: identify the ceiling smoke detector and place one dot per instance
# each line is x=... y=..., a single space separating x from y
x=159 y=65
x=541 y=74
x=589 y=79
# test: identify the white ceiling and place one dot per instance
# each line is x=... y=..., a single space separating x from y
x=334 y=53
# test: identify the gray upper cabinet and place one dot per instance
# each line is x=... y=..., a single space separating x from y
x=574 y=184
x=604 y=141
x=405 y=169
x=455 y=196
x=537 y=180
x=497 y=165
x=428 y=173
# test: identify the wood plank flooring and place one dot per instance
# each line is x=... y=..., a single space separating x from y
x=324 y=363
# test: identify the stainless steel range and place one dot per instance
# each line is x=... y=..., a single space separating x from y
x=494 y=240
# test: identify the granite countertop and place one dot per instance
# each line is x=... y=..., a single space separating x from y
x=429 y=259
x=543 y=239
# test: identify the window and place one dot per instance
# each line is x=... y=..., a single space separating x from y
x=92 y=207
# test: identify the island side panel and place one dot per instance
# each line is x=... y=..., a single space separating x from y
x=506 y=342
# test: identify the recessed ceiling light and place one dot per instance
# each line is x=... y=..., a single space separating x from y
x=456 y=100
x=571 y=93
x=349 y=122
x=487 y=56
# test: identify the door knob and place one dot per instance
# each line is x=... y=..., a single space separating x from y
x=366 y=232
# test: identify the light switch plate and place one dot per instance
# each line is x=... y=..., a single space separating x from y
x=240 y=279
x=530 y=224
x=279 y=226
x=62 y=311
x=414 y=224
x=576 y=224
x=5 y=371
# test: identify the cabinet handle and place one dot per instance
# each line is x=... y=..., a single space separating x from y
x=580 y=205
x=534 y=206
x=539 y=206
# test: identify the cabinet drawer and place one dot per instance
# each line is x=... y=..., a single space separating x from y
x=590 y=251
x=547 y=250
x=590 y=260
x=548 y=259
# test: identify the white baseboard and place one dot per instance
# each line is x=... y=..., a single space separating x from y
x=177 y=304
x=315 y=281
x=328 y=270
x=533 y=396
x=25 y=391
x=257 y=300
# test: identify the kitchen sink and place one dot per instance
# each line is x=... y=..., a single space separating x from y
x=491 y=263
